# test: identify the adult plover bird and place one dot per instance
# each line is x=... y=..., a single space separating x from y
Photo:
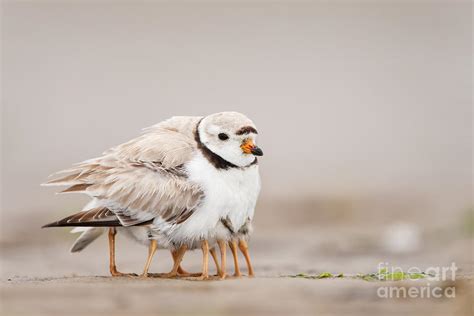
x=178 y=180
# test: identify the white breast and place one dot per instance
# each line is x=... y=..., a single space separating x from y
x=228 y=193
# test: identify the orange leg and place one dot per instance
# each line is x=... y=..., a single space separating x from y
x=181 y=271
x=222 y=248
x=233 y=248
x=205 y=260
x=216 y=261
x=151 y=251
x=205 y=263
x=112 y=266
x=245 y=251
x=177 y=257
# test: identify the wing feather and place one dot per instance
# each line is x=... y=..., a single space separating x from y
x=96 y=217
x=143 y=178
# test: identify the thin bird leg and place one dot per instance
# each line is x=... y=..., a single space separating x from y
x=112 y=266
x=181 y=271
x=205 y=262
x=222 y=248
x=177 y=257
x=205 y=259
x=245 y=250
x=151 y=251
x=233 y=248
x=216 y=261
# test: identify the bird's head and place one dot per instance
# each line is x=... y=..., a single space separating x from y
x=231 y=136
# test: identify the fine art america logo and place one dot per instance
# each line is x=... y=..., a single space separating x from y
x=426 y=290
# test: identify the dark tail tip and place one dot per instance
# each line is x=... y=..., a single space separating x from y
x=53 y=224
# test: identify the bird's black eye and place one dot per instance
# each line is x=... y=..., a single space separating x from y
x=223 y=136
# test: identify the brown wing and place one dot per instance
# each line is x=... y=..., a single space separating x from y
x=144 y=178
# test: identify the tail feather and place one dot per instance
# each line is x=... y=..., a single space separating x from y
x=96 y=217
x=87 y=237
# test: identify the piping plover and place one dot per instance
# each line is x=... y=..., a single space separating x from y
x=180 y=179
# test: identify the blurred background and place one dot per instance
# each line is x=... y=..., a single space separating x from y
x=364 y=110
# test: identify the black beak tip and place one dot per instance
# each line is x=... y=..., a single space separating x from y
x=256 y=151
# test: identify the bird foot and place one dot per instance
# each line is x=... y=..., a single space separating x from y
x=120 y=274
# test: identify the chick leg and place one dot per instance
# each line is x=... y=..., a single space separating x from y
x=205 y=263
x=205 y=259
x=216 y=261
x=222 y=248
x=245 y=250
x=181 y=271
x=177 y=257
x=112 y=266
x=151 y=251
x=233 y=248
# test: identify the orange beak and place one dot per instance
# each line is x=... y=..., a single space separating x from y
x=248 y=147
